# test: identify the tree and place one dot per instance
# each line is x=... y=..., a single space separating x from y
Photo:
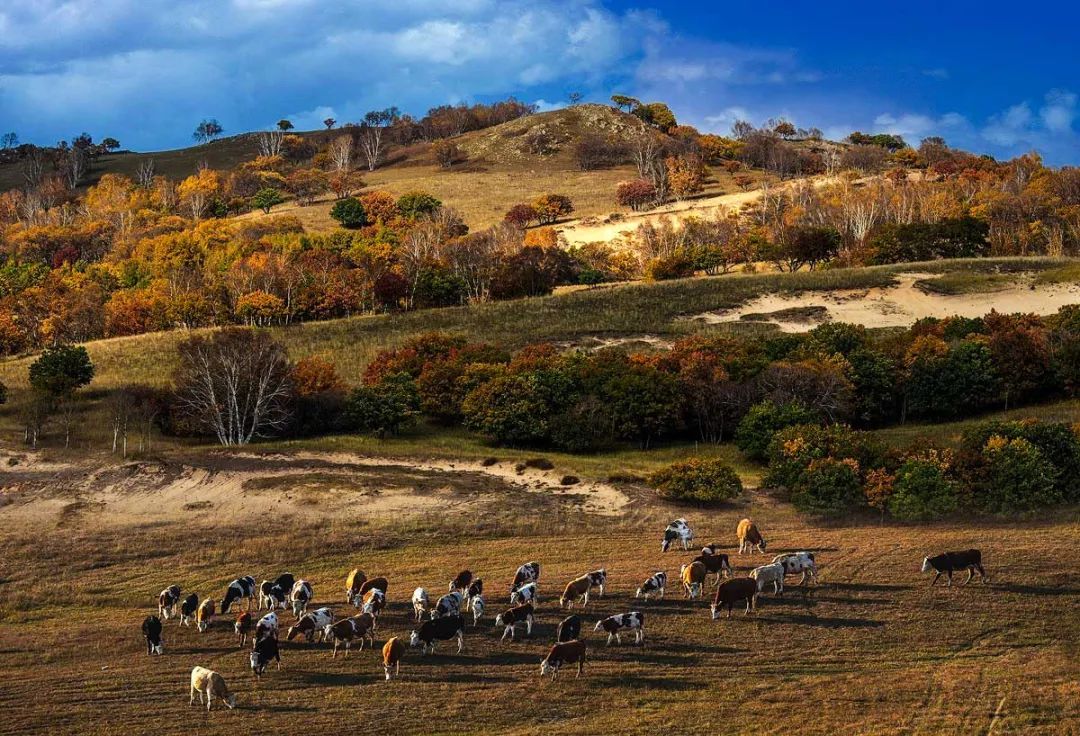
x=446 y=153
x=622 y=101
x=685 y=175
x=343 y=183
x=61 y=370
x=550 y=207
x=110 y=144
x=637 y=194
x=656 y=114
x=270 y=142
x=207 y=131
x=829 y=487
x=784 y=129
x=520 y=215
x=349 y=212
x=701 y=480
x=234 y=384
x=307 y=184
x=575 y=98
x=371 y=134
x=9 y=140
x=414 y=205
x=284 y=125
x=1019 y=478
x=921 y=491
x=329 y=123
x=265 y=199
x=340 y=151
x=757 y=429
x=811 y=246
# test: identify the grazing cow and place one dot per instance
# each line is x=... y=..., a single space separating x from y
x=448 y=605
x=211 y=683
x=373 y=584
x=348 y=630
x=310 y=624
x=188 y=609
x=716 y=563
x=475 y=588
x=511 y=616
x=569 y=652
x=677 y=530
x=420 y=603
x=205 y=615
x=267 y=626
x=242 y=627
x=240 y=588
x=167 y=600
x=773 y=573
x=693 y=578
x=272 y=596
x=711 y=548
x=599 y=579
x=527 y=593
x=527 y=573
x=947 y=562
x=613 y=625
x=301 y=596
x=461 y=582
x=353 y=583
x=569 y=628
x=730 y=592
x=374 y=603
x=576 y=589
x=285 y=581
x=439 y=629
x=798 y=562
x=266 y=649
x=653 y=585
x=750 y=537
x=477 y=606
x=392 y=652
x=151 y=631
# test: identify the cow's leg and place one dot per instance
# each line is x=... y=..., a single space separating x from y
x=609 y=636
x=397 y=668
x=950 y=578
x=191 y=700
x=618 y=637
x=934 y=581
x=528 y=626
x=460 y=641
x=982 y=573
x=971 y=574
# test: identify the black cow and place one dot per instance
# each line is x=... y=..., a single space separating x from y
x=266 y=649
x=569 y=629
x=439 y=629
x=151 y=631
x=947 y=562
x=188 y=609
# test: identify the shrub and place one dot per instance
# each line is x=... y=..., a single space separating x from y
x=532 y=271
x=1057 y=441
x=584 y=427
x=413 y=205
x=266 y=198
x=384 y=408
x=637 y=194
x=793 y=449
x=447 y=153
x=509 y=409
x=678 y=265
x=520 y=215
x=763 y=421
x=828 y=487
x=922 y=491
x=439 y=287
x=1020 y=478
x=645 y=404
x=349 y=212
x=700 y=480
x=595 y=151
x=550 y=207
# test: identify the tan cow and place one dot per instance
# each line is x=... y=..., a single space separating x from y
x=213 y=685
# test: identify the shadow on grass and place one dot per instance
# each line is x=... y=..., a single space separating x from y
x=638 y=682
x=869 y=587
x=337 y=679
x=1040 y=590
x=823 y=621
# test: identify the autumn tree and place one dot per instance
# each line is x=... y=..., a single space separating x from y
x=685 y=175
x=446 y=153
x=197 y=191
x=637 y=194
x=372 y=131
x=207 y=131
x=623 y=101
x=520 y=215
x=341 y=152
x=550 y=207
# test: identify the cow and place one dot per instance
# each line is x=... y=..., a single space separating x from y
x=599 y=579
x=242 y=627
x=240 y=588
x=569 y=628
x=439 y=629
x=272 y=596
x=461 y=582
x=716 y=563
x=265 y=650
x=527 y=573
x=798 y=562
x=677 y=531
x=475 y=588
x=576 y=589
x=693 y=578
x=511 y=616
x=527 y=593
x=301 y=595
x=347 y=630
x=151 y=631
x=211 y=683
x=392 y=652
x=448 y=605
x=310 y=624
x=167 y=600
x=374 y=603
x=420 y=603
x=569 y=652
x=188 y=609
x=947 y=562
x=353 y=582
x=285 y=581
x=749 y=537
x=772 y=573
x=711 y=548
x=731 y=591
x=653 y=585
x=613 y=625
x=267 y=626
x=477 y=606
x=205 y=615
x=373 y=584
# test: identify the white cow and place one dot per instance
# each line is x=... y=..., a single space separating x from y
x=773 y=573
x=798 y=562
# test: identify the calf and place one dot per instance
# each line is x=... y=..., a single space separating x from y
x=716 y=563
x=205 y=615
x=374 y=603
x=749 y=537
x=947 y=562
x=241 y=588
x=599 y=579
x=569 y=629
x=448 y=605
x=348 y=630
x=461 y=582
x=653 y=585
x=613 y=625
x=692 y=577
x=798 y=562
x=353 y=583
x=310 y=624
x=511 y=616
x=373 y=584
x=439 y=629
x=576 y=589
x=213 y=685
x=527 y=593
x=167 y=600
x=392 y=652
x=527 y=573
x=477 y=606
x=151 y=631
x=265 y=650
x=302 y=594
x=267 y=626
x=475 y=588
x=242 y=627
x=730 y=592
x=677 y=531
x=569 y=652
x=420 y=603
x=188 y=609
x=766 y=574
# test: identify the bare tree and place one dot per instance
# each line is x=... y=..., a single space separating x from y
x=270 y=142
x=76 y=165
x=121 y=410
x=33 y=167
x=341 y=151
x=144 y=175
x=371 y=134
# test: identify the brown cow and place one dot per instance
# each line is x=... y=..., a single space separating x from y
x=564 y=653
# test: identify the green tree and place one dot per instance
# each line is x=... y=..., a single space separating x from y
x=1020 y=478
x=61 y=370
x=284 y=125
x=266 y=199
x=921 y=490
x=701 y=480
x=646 y=404
x=757 y=429
x=829 y=487
x=385 y=408
x=414 y=205
x=511 y=409
x=349 y=212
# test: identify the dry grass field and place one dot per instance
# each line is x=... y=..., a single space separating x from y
x=872 y=649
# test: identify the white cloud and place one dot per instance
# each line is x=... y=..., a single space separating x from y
x=1059 y=111
x=915 y=126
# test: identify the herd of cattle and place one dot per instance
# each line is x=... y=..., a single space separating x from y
x=445 y=620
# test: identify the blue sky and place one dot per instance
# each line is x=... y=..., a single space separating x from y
x=987 y=76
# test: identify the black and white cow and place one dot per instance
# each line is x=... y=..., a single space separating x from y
x=448 y=605
x=476 y=587
x=527 y=573
x=301 y=595
x=241 y=588
x=272 y=596
x=517 y=614
x=948 y=562
x=613 y=625
x=285 y=581
x=151 y=631
x=188 y=609
x=443 y=628
x=267 y=626
x=677 y=531
x=310 y=624
x=266 y=649
x=167 y=600
x=461 y=582
x=653 y=586
x=569 y=629
x=527 y=593
x=798 y=562
x=599 y=579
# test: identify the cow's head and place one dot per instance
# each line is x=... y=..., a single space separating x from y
x=926 y=564
x=599 y=625
x=257 y=664
x=695 y=590
x=548 y=668
x=414 y=639
x=763 y=544
x=230 y=701
x=291 y=633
